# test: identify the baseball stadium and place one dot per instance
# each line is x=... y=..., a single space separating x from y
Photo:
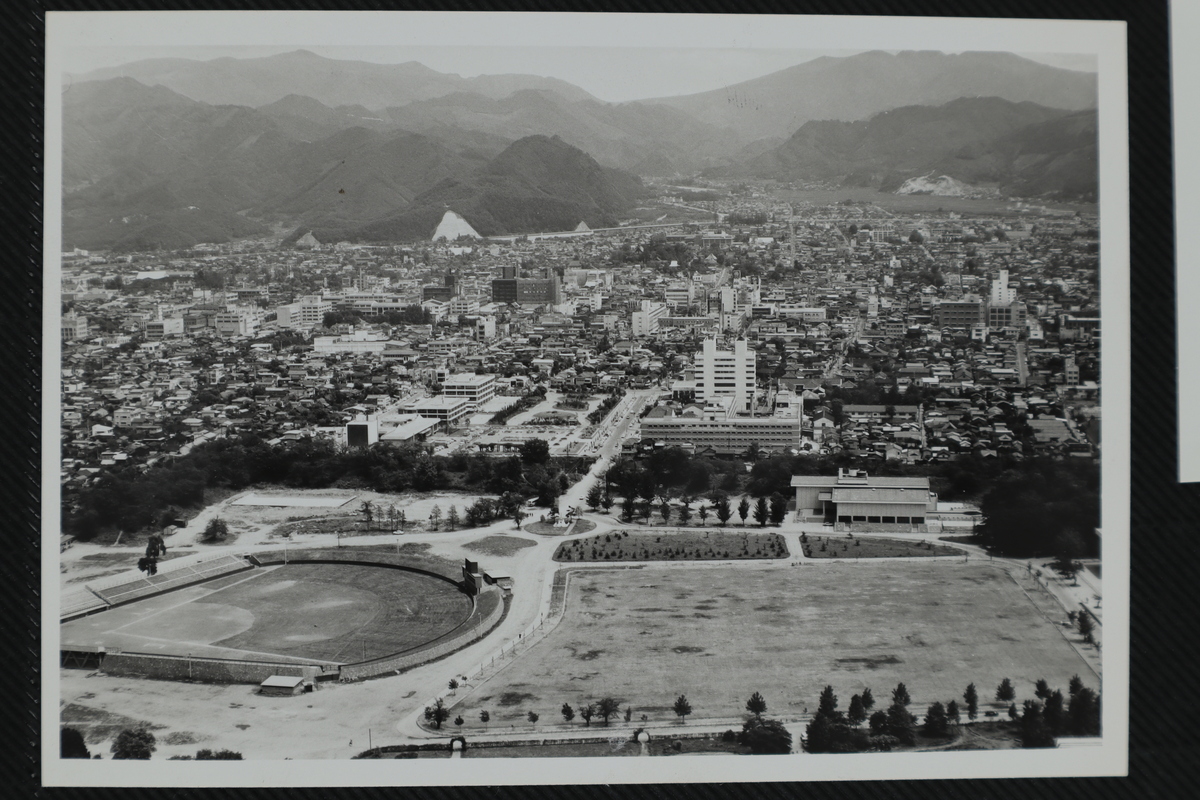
x=321 y=614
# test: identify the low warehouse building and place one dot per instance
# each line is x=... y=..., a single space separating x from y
x=282 y=686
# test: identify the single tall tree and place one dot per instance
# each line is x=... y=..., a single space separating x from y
x=1087 y=627
x=724 y=512
x=1005 y=691
x=682 y=707
x=828 y=702
x=133 y=745
x=1083 y=713
x=936 y=721
x=1075 y=685
x=762 y=512
x=868 y=699
x=628 y=509
x=703 y=512
x=215 y=530
x=440 y=713
x=71 y=744
x=779 y=506
x=607 y=707
x=1041 y=689
x=452 y=518
x=1054 y=712
x=756 y=705
x=586 y=713
x=594 y=496
x=435 y=516
x=568 y=713
x=484 y=717
x=900 y=723
x=952 y=713
x=1034 y=730
x=971 y=698
x=900 y=695
x=664 y=509
x=856 y=713
x=685 y=511
x=744 y=510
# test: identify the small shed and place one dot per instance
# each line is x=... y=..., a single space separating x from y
x=282 y=685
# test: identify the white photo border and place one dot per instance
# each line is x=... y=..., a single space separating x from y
x=1105 y=39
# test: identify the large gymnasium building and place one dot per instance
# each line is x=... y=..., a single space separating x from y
x=853 y=497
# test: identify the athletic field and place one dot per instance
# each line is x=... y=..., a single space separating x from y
x=335 y=613
x=293 y=500
x=718 y=634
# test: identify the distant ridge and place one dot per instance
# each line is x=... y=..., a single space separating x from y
x=1020 y=149
x=856 y=87
x=334 y=82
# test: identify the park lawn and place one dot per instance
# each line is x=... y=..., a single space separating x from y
x=709 y=545
x=645 y=635
x=871 y=547
x=499 y=546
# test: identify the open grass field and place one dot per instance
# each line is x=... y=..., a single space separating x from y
x=709 y=545
x=310 y=612
x=717 y=634
x=871 y=547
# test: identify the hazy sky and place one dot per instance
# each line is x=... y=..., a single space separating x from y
x=614 y=74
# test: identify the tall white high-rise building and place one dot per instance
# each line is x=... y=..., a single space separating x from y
x=645 y=321
x=1002 y=295
x=725 y=373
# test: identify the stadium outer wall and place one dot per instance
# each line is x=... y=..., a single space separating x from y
x=487 y=611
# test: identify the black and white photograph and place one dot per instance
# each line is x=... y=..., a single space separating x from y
x=466 y=388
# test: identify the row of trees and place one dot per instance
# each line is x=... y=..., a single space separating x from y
x=134 y=744
x=483 y=511
x=1044 y=718
x=606 y=405
x=764 y=511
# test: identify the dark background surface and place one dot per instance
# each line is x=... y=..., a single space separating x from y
x=1164 y=743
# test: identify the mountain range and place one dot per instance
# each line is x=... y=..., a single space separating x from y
x=1019 y=148
x=168 y=152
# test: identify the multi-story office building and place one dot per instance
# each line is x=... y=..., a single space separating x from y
x=645 y=321
x=719 y=429
x=509 y=288
x=962 y=313
x=727 y=373
x=74 y=327
x=476 y=389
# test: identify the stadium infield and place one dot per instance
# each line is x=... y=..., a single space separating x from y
x=304 y=612
x=646 y=635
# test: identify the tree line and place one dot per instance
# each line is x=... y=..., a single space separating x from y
x=1041 y=720
x=131 y=500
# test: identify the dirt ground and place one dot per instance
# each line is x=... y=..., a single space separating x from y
x=322 y=612
x=718 y=634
